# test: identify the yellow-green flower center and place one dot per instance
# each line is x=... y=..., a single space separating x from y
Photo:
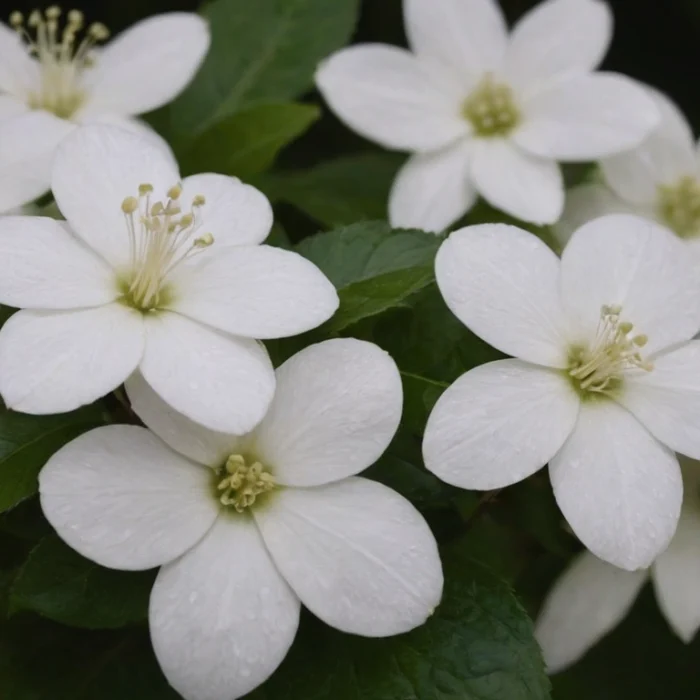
x=598 y=370
x=240 y=482
x=491 y=109
x=679 y=206
x=62 y=59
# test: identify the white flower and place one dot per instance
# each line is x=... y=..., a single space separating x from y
x=486 y=113
x=591 y=598
x=273 y=519
x=660 y=180
x=147 y=273
x=605 y=385
x=52 y=78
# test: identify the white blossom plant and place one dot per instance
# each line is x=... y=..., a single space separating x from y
x=603 y=384
x=659 y=180
x=485 y=113
x=592 y=597
x=246 y=529
x=152 y=273
x=54 y=76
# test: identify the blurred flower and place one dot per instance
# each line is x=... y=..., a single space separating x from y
x=591 y=597
x=148 y=273
x=660 y=180
x=275 y=518
x=486 y=113
x=606 y=381
x=52 y=79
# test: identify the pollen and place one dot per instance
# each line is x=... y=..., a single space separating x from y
x=616 y=351
x=242 y=483
x=679 y=206
x=62 y=58
x=491 y=109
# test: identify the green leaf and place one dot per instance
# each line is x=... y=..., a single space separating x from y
x=248 y=142
x=58 y=583
x=479 y=645
x=268 y=53
x=338 y=192
x=26 y=443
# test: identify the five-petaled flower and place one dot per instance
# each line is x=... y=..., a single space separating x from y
x=606 y=384
x=486 y=113
x=51 y=79
x=247 y=528
x=151 y=273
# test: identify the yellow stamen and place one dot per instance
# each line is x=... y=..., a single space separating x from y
x=243 y=483
x=491 y=108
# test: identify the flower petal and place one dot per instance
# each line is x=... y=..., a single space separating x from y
x=149 y=64
x=11 y=107
x=95 y=169
x=335 y=411
x=119 y=496
x=469 y=36
x=433 y=190
x=524 y=186
x=663 y=158
x=196 y=442
x=55 y=361
x=502 y=283
x=220 y=629
x=234 y=213
x=638 y=265
x=27 y=146
x=676 y=575
x=45 y=267
x=667 y=399
x=619 y=488
x=223 y=382
x=557 y=40
x=589 y=117
x=359 y=556
x=588 y=600
x=254 y=292
x=386 y=95
x=18 y=71
x=498 y=424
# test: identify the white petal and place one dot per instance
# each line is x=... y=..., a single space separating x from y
x=95 y=169
x=663 y=158
x=359 y=556
x=221 y=617
x=254 y=292
x=643 y=267
x=522 y=185
x=498 y=424
x=18 y=71
x=557 y=40
x=55 y=361
x=120 y=497
x=589 y=600
x=589 y=117
x=667 y=399
x=335 y=411
x=676 y=576
x=149 y=64
x=619 y=488
x=433 y=190
x=45 y=267
x=27 y=146
x=234 y=213
x=11 y=107
x=223 y=382
x=386 y=95
x=469 y=36
x=185 y=436
x=502 y=283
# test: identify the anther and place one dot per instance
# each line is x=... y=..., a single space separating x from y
x=204 y=241
x=130 y=205
x=174 y=192
x=199 y=201
x=145 y=189
x=16 y=19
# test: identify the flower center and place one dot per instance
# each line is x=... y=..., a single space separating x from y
x=599 y=369
x=160 y=239
x=679 y=206
x=242 y=483
x=61 y=57
x=491 y=108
